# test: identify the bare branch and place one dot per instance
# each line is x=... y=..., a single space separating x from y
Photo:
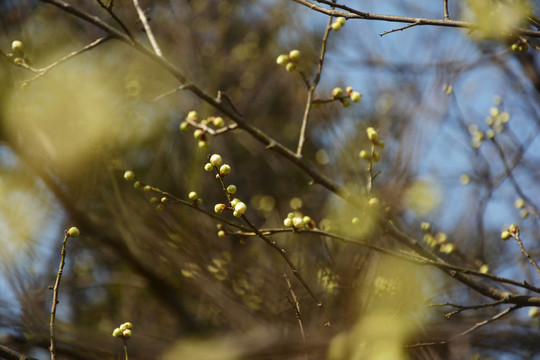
x=401 y=28
x=470 y=330
x=147 y=28
x=350 y=13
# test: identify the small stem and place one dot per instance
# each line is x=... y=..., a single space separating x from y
x=125 y=349
x=55 y=298
x=446 y=16
x=147 y=28
x=526 y=254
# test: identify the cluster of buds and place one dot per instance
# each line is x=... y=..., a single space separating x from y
x=17 y=56
x=298 y=221
x=123 y=331
x=519 y=46
x=512 y=231
x=354 y=96
x=495 y=122
x=216 y=162
x=200 y=134
x=439 y=239
x=138 y=185
x=289 y=61
x=338 y=23
x=522 y=207
x=373 y=155
x=238 y=206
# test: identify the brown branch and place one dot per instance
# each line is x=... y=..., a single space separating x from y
x=69 y=56
x=55 y=297
x=470 y=330
x=351 y=13
x=10 y=354
x=446 y=15
x=311 y=90
x=461 y=308
x=293 y=300
x=109 y=9
x=294 y=270
x=401 y=28
x=516 y=236
x=147 y=28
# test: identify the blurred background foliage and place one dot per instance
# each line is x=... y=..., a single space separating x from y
x=67 y=137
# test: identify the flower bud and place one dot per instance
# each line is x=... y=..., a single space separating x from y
x=294 y=56
x=216 y=160
x=129 y=175
x=73 y=232
x=225 y=170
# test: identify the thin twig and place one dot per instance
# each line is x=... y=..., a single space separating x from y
x=516 y=236
x=10 y=354
x=468 y=331
x=293 y=300
x=147 y=28
x=418 y=22
x=311 y=90
x=294 y=270
x=170 y=92
x=109 y=9
x=461 y=308
x=351 y=13
x=55 y=297
x=446 y=15
x=69 y=56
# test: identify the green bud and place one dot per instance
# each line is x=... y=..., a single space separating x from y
x=73 y=232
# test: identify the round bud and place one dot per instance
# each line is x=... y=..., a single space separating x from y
x=306 y=219
x=290 y=215
x=193 y=196
x=341 y=20
x=425 y=226
x=298 y=223
x=225 y=170
x=208 y=167
x=288 y=222
x=221 y=233
x=524 y=213
x=372 y=134
x=337 y=92
x=198 y=134
x=164 y=200
x=345 y=103
x=484 y=269
x=505 y=235
x=160 y=207
x=129 y=175
x=73 y=232
x=533 y=312
x=219 y=122
x=240 y=208
x=219 y=208
x=519 y=203
x=184 y=126
x=373 y=202
x=364 y=155
x=17 y=46
x=192 y=115
x=236 y=214
x=128 y=325
x=235 y=202
x=514 y=47
x=147 y=188
x=198 y=201
x=127 y=334
x=216 y=160
x=117 y=332
x=154 y=200
x=376 y=156
x=514 y=229
x=282 y=60
x=356 y=96
x=349 y=90
x=202 y=144
x=294 y=56
x=336 y=26
x=290 y=67
x=138 y=185
x=231 y=189
x=380 y=144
